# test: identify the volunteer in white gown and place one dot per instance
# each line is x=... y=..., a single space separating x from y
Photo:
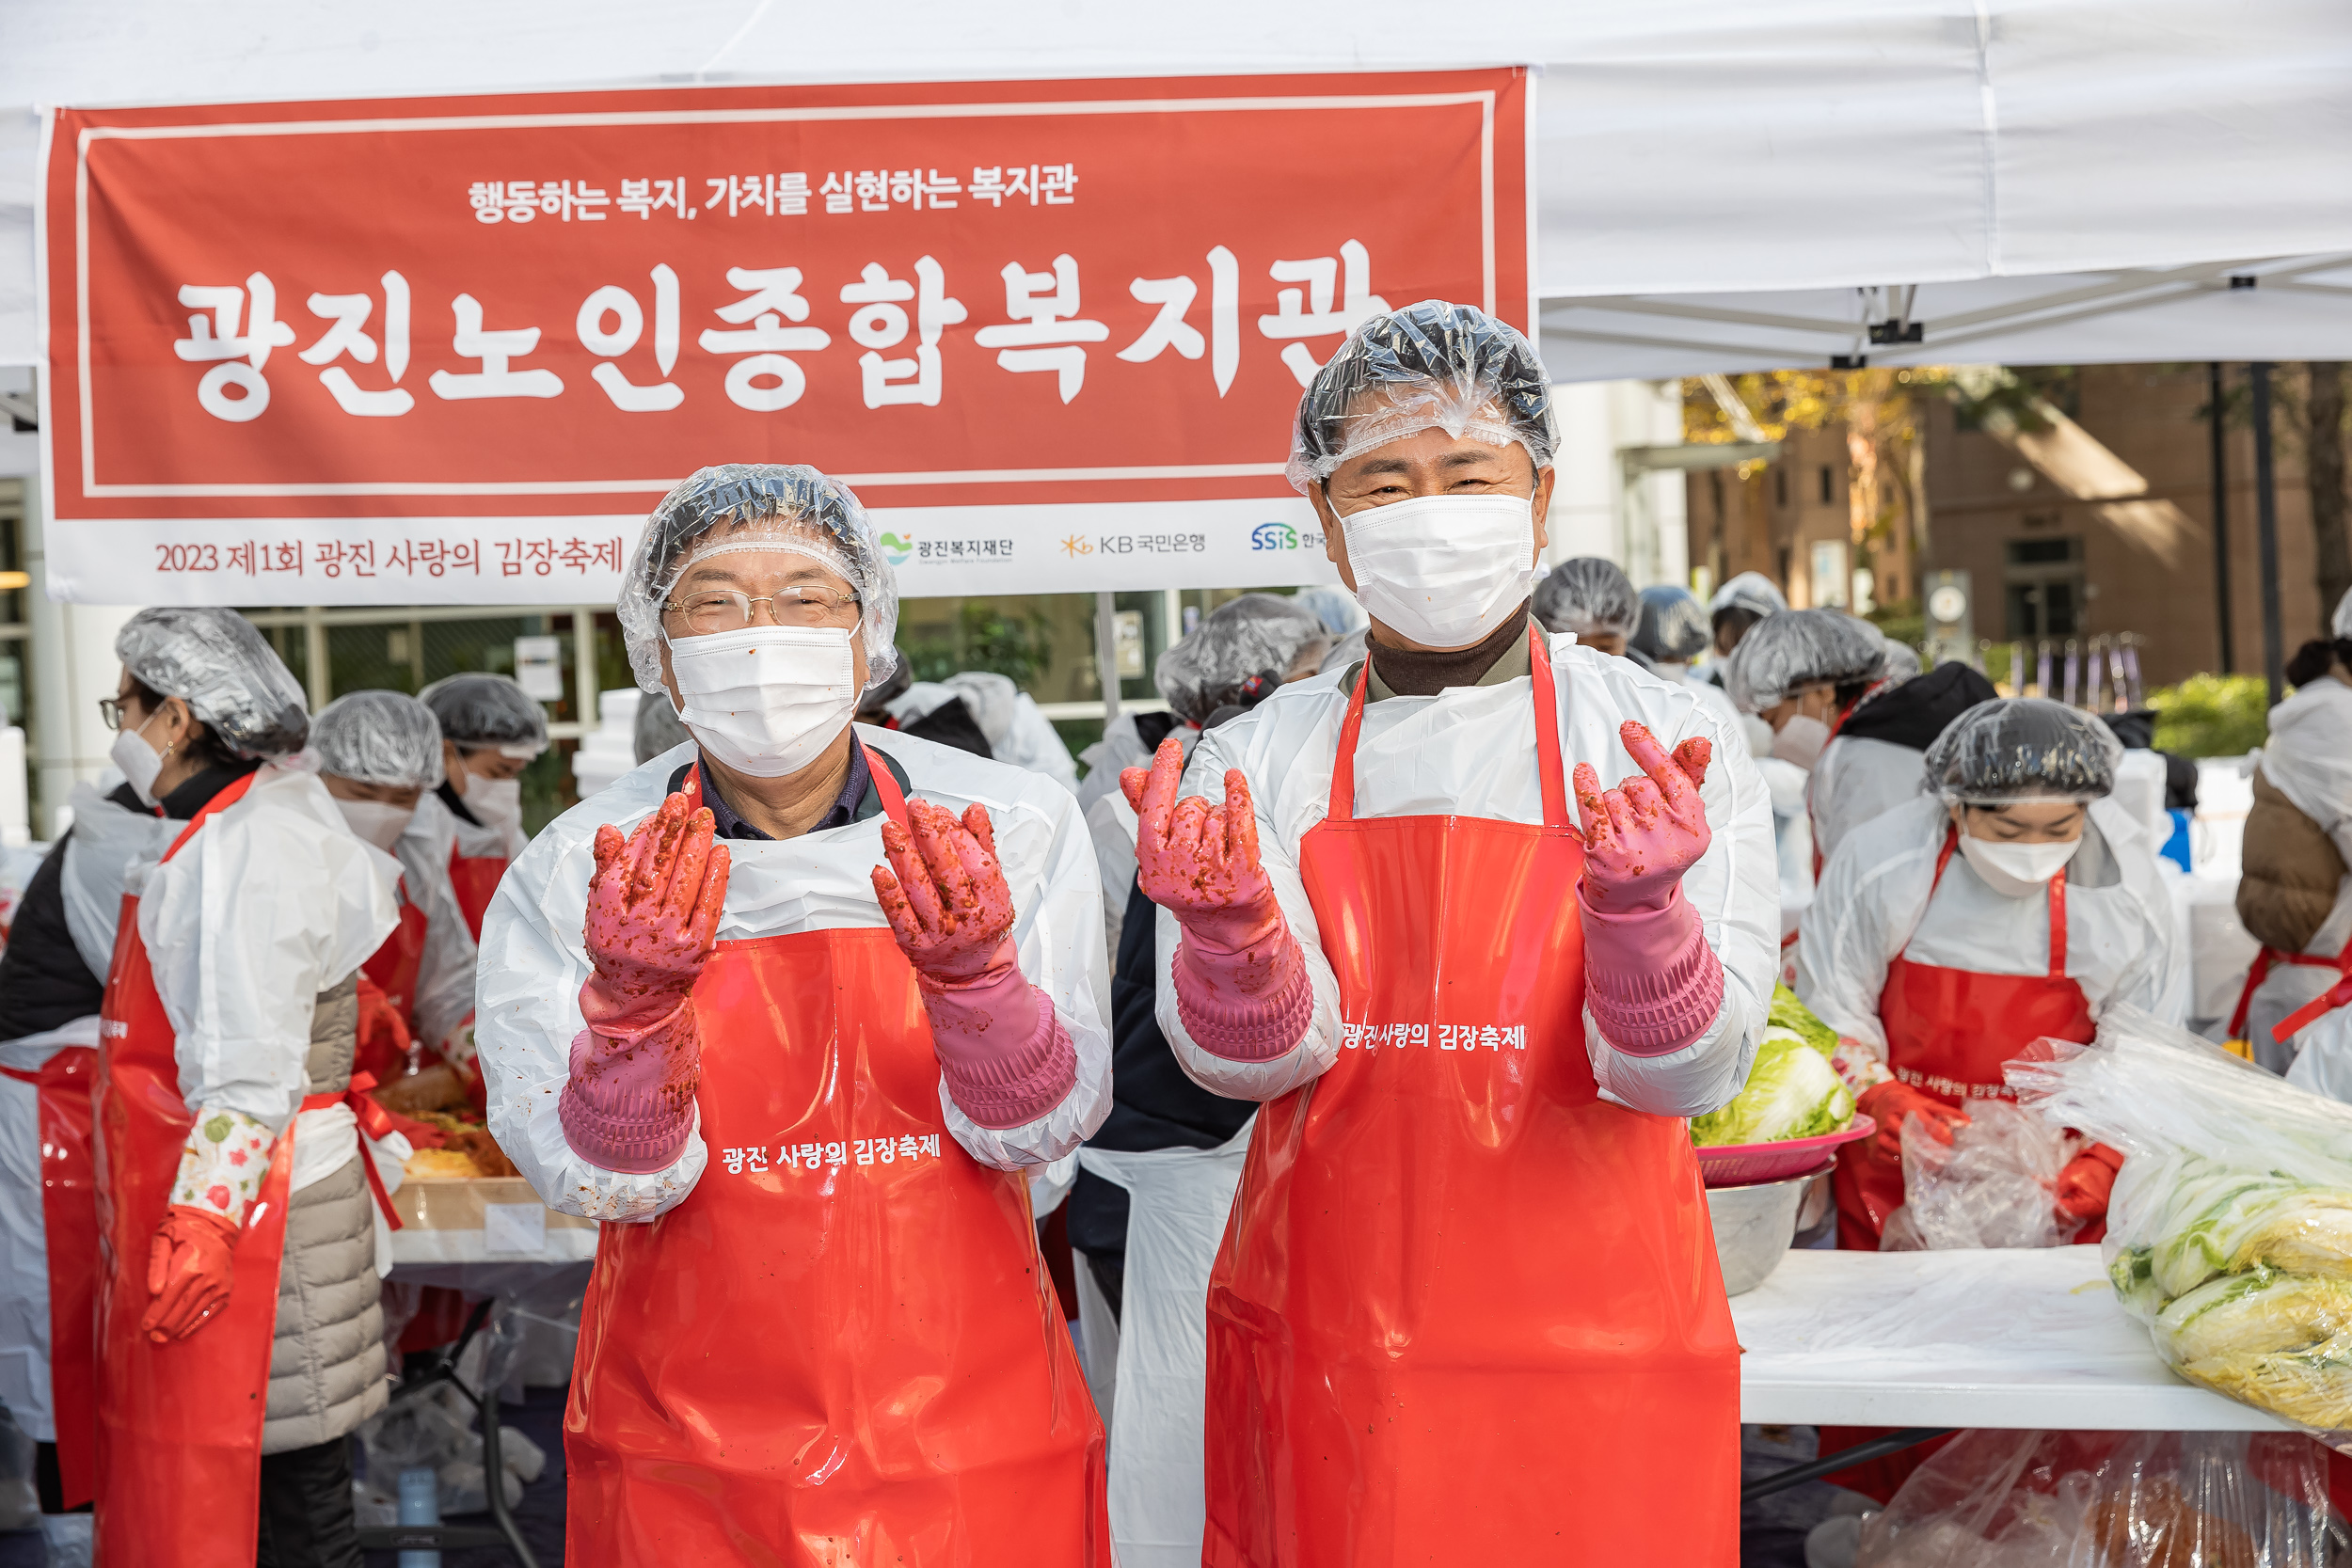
x=491 y=730
x=1873 y=764
x=801 y=1089
x=1156 y=1179
x=52 y=980
x=1592 y=600
x=1389 y=1249
x=1737 y=606
x=1671 y=632
x=2015 y=901
x=240 y=1339
x=381 y=755
x=1343 y=618
x=1018 y=733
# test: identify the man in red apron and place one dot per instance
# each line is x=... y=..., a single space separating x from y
x=232 y=1362
x=796 y=1017
x=379 y=755
x=1466 y=1308
x=491 y=731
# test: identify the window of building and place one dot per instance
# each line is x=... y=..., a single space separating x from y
x=2043 y=586
x=1829 y=486
x=1780 y=485
x=1828 y=586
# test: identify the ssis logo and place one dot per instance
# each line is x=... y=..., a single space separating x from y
x=897 y=551
x=1274 y=537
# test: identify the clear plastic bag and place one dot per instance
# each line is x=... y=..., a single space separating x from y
x=2230 y=1229
x=1993 y=1186
x=2109 y=1499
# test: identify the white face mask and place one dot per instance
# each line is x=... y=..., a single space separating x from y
x=765 y=700
x=496 y=802
x=140 y=763
x=2014 y=870
x=1800 y=740
x=1443 y=571
x=379 y=822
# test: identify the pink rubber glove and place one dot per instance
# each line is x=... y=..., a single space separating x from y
x=1005 y=1054
x=1241 y=982
x=1889 y=1104
x=653 y=921
x=1653 y=984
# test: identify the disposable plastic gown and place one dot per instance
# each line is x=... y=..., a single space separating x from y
x=445 y=975
x=1855 y=779
x=1017 y=732
x=533 y=960
x=2309 y=759
x=1872 y=904
x=272 y=902
x=1110 y=821
x=108 y=839
x=1471 y=751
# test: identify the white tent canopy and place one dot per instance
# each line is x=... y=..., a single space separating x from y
x=2058 y=180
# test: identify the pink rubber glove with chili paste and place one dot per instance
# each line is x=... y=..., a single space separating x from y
x=1003 y=1051
x=1241 y=982
x=654 y=902
x=1652 y=983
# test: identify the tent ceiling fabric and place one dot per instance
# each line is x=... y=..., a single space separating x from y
x=1687 y=149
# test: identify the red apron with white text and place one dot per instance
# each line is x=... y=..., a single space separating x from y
x=179 y=1423
x=395 y=965
x=841 y=1350
x=1947 y=1033
x=1465 y=1311
x=475 y=878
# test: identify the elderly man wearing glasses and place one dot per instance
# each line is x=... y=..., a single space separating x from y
x=793 y=1007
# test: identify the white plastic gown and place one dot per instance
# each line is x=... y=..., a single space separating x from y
x=1110 y=821
x=445 y=976
x=272 y=902
x=477 y=840
x=1018 y=732
x=534 y=961
x=1872 y=904
x=106 y=840
x=2307 y=758
x=1858 y=778
x=1470 y=751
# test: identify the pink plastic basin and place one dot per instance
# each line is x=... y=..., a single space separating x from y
x=1739 y=1164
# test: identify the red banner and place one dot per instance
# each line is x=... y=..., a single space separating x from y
x=452 y=350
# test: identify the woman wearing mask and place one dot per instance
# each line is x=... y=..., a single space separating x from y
x=1672 y=632
x=381 y=755
x=239 y=1339
x=2012 y=901
x=1466 y=1276
x=793 y=1012
x=490 y=732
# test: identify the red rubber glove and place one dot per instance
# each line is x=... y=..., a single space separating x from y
x=2089 y=1178
x=1005 y=1055
x=1643 y=835
x=1888 y=1104
x=384 y=1043
x=654 y=904
x=1241 y=982
x=190 y=1263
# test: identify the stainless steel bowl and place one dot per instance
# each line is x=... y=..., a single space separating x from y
x=1754 y=1226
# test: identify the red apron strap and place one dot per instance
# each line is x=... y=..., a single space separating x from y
x=1951 y=842
x=1342 y=805
x=219 y=803
x=2057 y=924
x=374 y=1123
x=894 y=801
x=21 y=1075
x=2255 y=975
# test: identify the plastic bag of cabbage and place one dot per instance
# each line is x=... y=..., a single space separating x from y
x=2229 y=1230
x=1791 y=1092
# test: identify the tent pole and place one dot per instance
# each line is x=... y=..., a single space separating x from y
x=2220 y=465
x=2266 y=529
x=1106 y=653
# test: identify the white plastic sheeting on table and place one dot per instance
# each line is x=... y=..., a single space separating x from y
x=2016 y=1338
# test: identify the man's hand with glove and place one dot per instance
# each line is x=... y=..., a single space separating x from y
x=2085 y=1185
x=654 y=904
x=1652 y=983
x=1242 y=987
x=1888 y=1105
x=1006 y=1056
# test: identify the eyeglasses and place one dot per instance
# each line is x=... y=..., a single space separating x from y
x=110 y=709
x=720 y=610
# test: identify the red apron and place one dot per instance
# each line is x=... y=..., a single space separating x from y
x=69 y=1217
x=2326 y=1002
x=841 y=1350
x=1465 y=1311
x=179 y=1424
x=1947 y=1033
x=474 y=879
x=395 y=965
